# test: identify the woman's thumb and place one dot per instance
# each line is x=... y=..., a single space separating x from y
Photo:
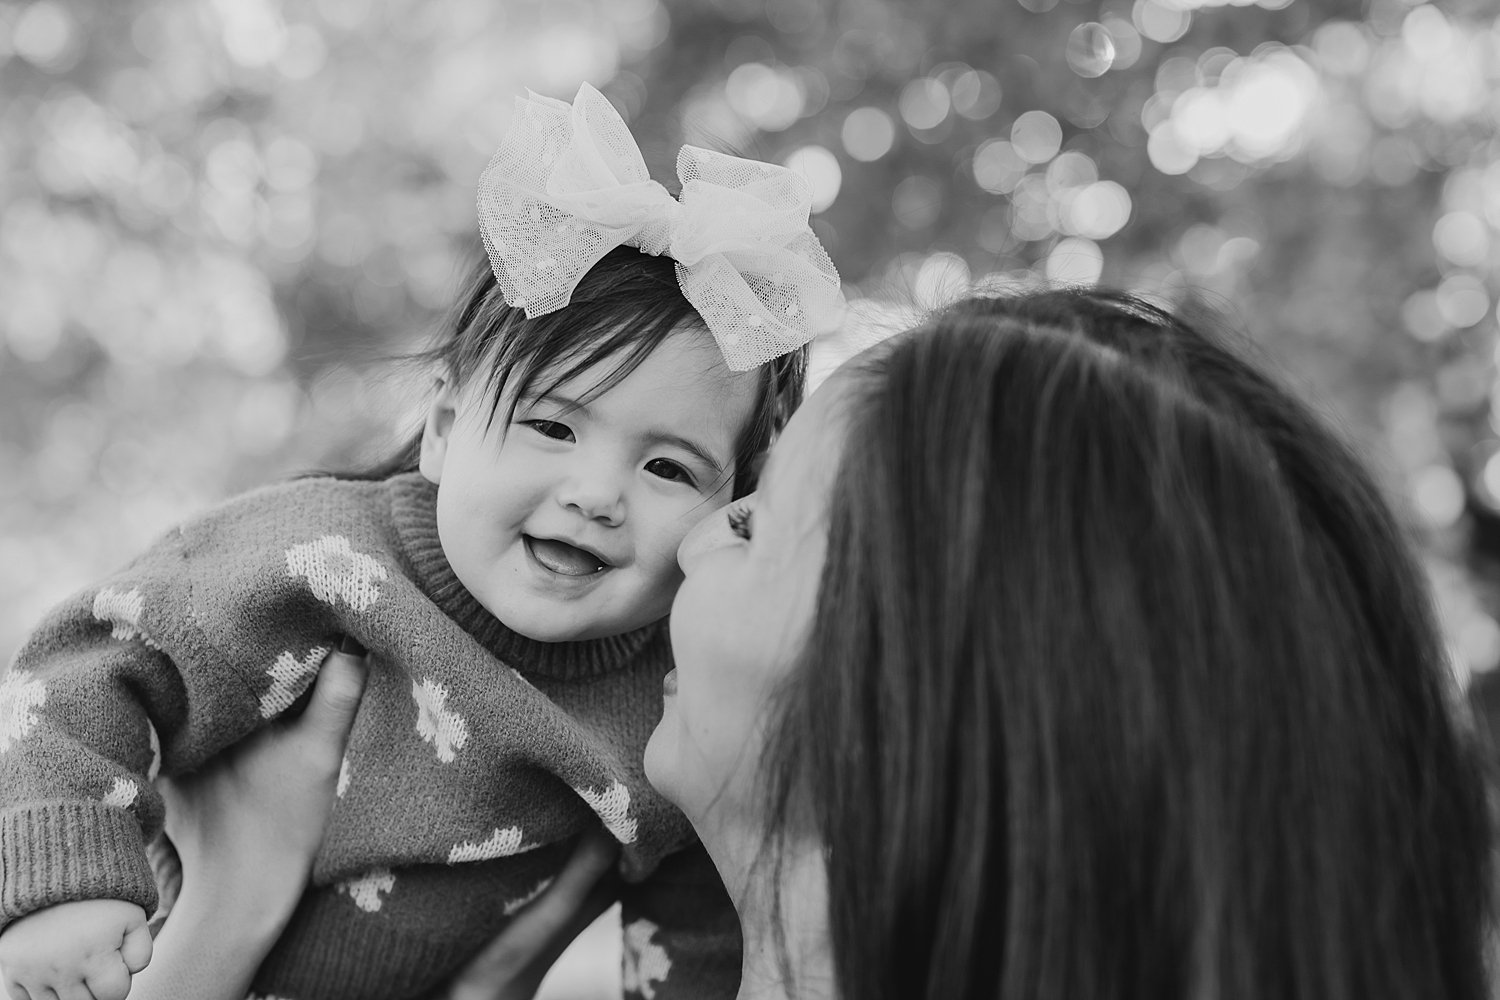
x=336 y=694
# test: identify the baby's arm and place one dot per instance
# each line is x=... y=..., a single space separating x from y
x=105 y=675
x=94 y=945
x=74 y=773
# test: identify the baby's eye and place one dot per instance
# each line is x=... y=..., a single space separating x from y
x=739 y=520
x=551 y=429
x=672 y=472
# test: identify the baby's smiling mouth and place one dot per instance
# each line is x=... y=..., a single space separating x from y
x=564 y=558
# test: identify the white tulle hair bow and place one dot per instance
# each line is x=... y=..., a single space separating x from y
x=569 y=184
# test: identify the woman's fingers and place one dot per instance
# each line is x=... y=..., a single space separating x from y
x=580 y=890
x=511 y=967
x=337 y=690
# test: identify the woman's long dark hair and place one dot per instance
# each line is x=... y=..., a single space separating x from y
x=622 y=310
x=1124 y=683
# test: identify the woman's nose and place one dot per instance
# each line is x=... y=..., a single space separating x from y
x=708 y=535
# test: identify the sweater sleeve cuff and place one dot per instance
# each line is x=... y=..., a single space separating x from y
x=60 y=852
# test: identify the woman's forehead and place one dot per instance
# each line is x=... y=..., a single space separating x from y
x=805 y=459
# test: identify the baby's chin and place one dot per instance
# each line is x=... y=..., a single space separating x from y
x=542 y=627
x=557 y=607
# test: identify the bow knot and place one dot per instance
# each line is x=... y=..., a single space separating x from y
x=657 y=234
x=569 y=184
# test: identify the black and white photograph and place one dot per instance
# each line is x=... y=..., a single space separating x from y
x=749 y=499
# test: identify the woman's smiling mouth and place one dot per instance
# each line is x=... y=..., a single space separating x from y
x=563 y=558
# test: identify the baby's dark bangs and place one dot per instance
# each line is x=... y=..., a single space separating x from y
x=624 y=308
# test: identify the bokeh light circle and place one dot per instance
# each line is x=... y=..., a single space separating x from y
x=1159 y=22
x=1090 y=50
x=868 y=134
x=976 y=94
x=924 y=103
x=47 y=36
x=1462 y=238
x=1421 y=316
x=1036 y=136
x=1075 y=261
x=1167 y=152
x=998 y=168
x=941 y=278
x=769 y=98
x=1098 y=211
x=1462 y=300
x=822 y=172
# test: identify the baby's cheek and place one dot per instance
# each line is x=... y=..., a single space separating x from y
x=655 y=578
x=656 y=552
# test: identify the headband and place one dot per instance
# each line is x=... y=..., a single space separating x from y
x=569 y=184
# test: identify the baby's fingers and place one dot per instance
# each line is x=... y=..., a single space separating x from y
x=106 y=979
x=113 y=985
x=136 y=948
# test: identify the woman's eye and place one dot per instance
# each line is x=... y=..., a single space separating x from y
x=551 y=429
x=739 y=520
x=672 y=472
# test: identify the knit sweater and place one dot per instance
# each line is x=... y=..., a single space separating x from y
x=477 y=757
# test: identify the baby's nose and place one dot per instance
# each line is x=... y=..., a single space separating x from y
x=596 y=496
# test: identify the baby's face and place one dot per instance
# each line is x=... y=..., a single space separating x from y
x=565 y=523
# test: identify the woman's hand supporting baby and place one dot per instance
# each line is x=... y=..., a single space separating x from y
x=246 y=828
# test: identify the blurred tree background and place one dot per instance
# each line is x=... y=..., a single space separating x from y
x=218 y=216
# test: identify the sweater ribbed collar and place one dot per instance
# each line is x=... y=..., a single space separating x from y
x=414 y=510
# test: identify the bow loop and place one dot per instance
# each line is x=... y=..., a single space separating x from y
x=747 y=259
x=569 y=184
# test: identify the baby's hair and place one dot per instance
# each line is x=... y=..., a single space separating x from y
x=623 y=309
x=1123 y=682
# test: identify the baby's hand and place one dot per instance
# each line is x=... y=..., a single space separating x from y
x=74 y=951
